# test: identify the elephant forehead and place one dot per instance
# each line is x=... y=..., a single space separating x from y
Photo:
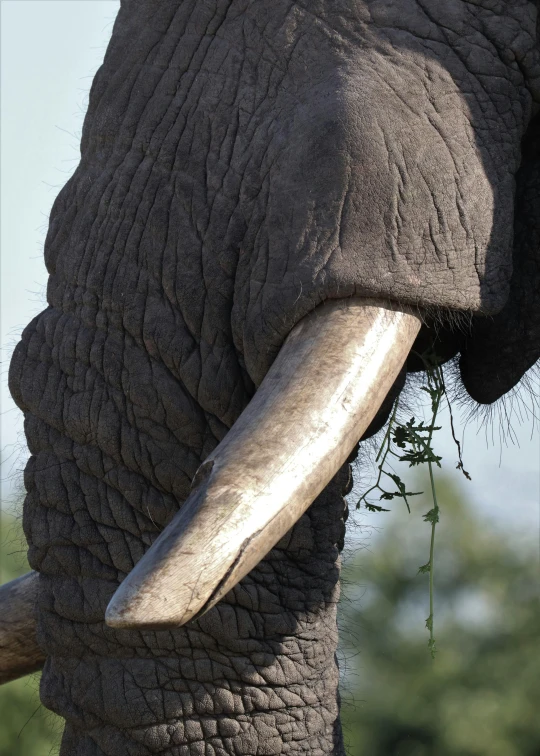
x=243 y=162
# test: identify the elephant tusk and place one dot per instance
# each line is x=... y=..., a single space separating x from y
x=325 y=386
x=19 y=652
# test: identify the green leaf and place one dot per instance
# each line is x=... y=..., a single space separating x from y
x=432 y=516
x=375 y=508
x=400 y=437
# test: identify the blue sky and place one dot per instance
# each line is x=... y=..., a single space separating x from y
x=50 y=50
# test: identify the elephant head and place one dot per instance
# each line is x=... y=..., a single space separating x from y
x=274 y=201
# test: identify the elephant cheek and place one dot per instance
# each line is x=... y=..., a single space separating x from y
x=501 y=349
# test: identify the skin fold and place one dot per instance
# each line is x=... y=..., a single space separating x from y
x=241 y=163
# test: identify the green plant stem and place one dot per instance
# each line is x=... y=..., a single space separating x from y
x=432 y=563
x=388 y=431
x=439 y=384
x=385 y=447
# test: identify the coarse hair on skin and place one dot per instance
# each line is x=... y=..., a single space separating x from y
x=499 y=419
x=440 y=318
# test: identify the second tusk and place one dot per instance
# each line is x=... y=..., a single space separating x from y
x=19 y=651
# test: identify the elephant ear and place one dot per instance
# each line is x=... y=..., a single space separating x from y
x=502 y=348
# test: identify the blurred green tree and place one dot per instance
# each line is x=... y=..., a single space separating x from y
x=480 y=696
x=26 y=727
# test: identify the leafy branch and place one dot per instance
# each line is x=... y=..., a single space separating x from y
x=412 y=442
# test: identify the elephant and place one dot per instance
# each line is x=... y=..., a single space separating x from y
x=277 y=207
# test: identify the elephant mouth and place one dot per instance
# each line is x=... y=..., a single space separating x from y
x=321 y=393
x=319 y=396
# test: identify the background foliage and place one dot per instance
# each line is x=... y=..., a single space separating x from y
x=26 y=727
x=480 y=695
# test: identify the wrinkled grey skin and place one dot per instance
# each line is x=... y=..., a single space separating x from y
x=241 y=162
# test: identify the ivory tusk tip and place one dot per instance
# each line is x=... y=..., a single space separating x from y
x=131 y=621
x=122 y=615
x=118 y=619
x=136 y=607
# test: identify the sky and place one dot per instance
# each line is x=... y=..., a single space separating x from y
x=50 y=50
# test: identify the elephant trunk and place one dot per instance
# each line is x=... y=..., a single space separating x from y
x=322 y=392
